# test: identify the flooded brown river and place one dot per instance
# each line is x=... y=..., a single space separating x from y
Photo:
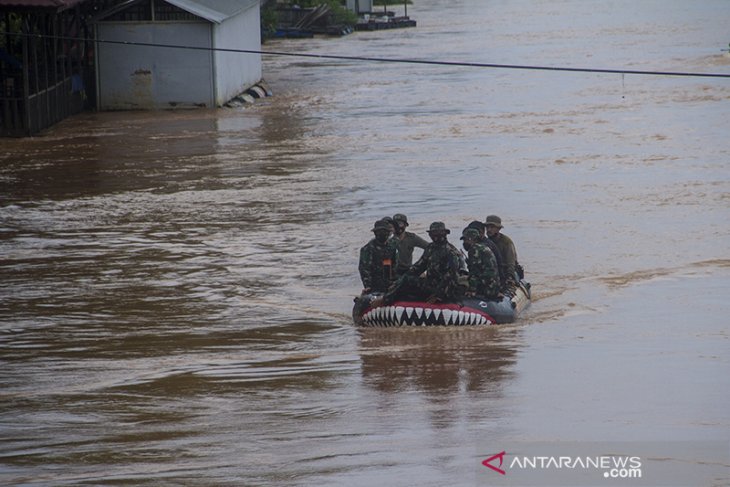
x=176 y=287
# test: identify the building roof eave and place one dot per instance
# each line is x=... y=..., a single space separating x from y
x=214 y=10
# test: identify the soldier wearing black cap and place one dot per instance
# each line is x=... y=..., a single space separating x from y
x=377 y=260
x=407 y=242
x=440 y=261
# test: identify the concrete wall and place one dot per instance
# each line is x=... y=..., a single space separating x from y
x=235 y=71
x=143 y=77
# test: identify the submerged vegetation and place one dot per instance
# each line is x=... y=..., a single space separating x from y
x=337 y=14
x=340 y=14
x=269 y=19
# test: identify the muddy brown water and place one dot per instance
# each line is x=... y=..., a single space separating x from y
x=176 y=286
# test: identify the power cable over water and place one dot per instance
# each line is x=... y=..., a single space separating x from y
x=393 y=60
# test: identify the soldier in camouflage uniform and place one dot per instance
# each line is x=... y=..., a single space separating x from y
x=377 y=260
x=440 y=260
x=482 y=229
x=407 y=242
x=483 y=273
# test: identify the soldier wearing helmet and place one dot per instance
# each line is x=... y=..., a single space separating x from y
x=407 y=242
x=377 y=260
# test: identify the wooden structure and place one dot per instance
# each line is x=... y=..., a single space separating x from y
x=44 y=69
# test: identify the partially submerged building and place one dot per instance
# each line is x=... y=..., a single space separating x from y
x=58 y=57
x=206 y=69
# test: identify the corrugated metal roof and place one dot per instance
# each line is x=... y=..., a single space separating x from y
x=60 y=4
x=213 y=10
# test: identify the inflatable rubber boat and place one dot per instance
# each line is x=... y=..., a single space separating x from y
x=467 y=312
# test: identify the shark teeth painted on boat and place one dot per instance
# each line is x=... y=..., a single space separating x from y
x=447 y=316
x=399 y=310
x=410 y=315
x=409 y=312
x=390 y=316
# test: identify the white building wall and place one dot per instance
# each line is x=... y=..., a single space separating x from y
x=358 y=6
x=145 y=77
x=235 y=71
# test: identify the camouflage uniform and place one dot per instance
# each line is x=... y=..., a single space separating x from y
x=377 y=265
x=497 y=256
x=483 y=274
x=480 y=228
x=441 y=263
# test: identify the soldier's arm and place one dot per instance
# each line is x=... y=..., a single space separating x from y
x=509 y=259
x=476 y=270
x=365 y=268
x=419 y=242
x=421 y=265
x=509 y=256
x=491 y=274
x=394 y=252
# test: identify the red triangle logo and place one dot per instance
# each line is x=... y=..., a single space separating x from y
x=487 y=463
